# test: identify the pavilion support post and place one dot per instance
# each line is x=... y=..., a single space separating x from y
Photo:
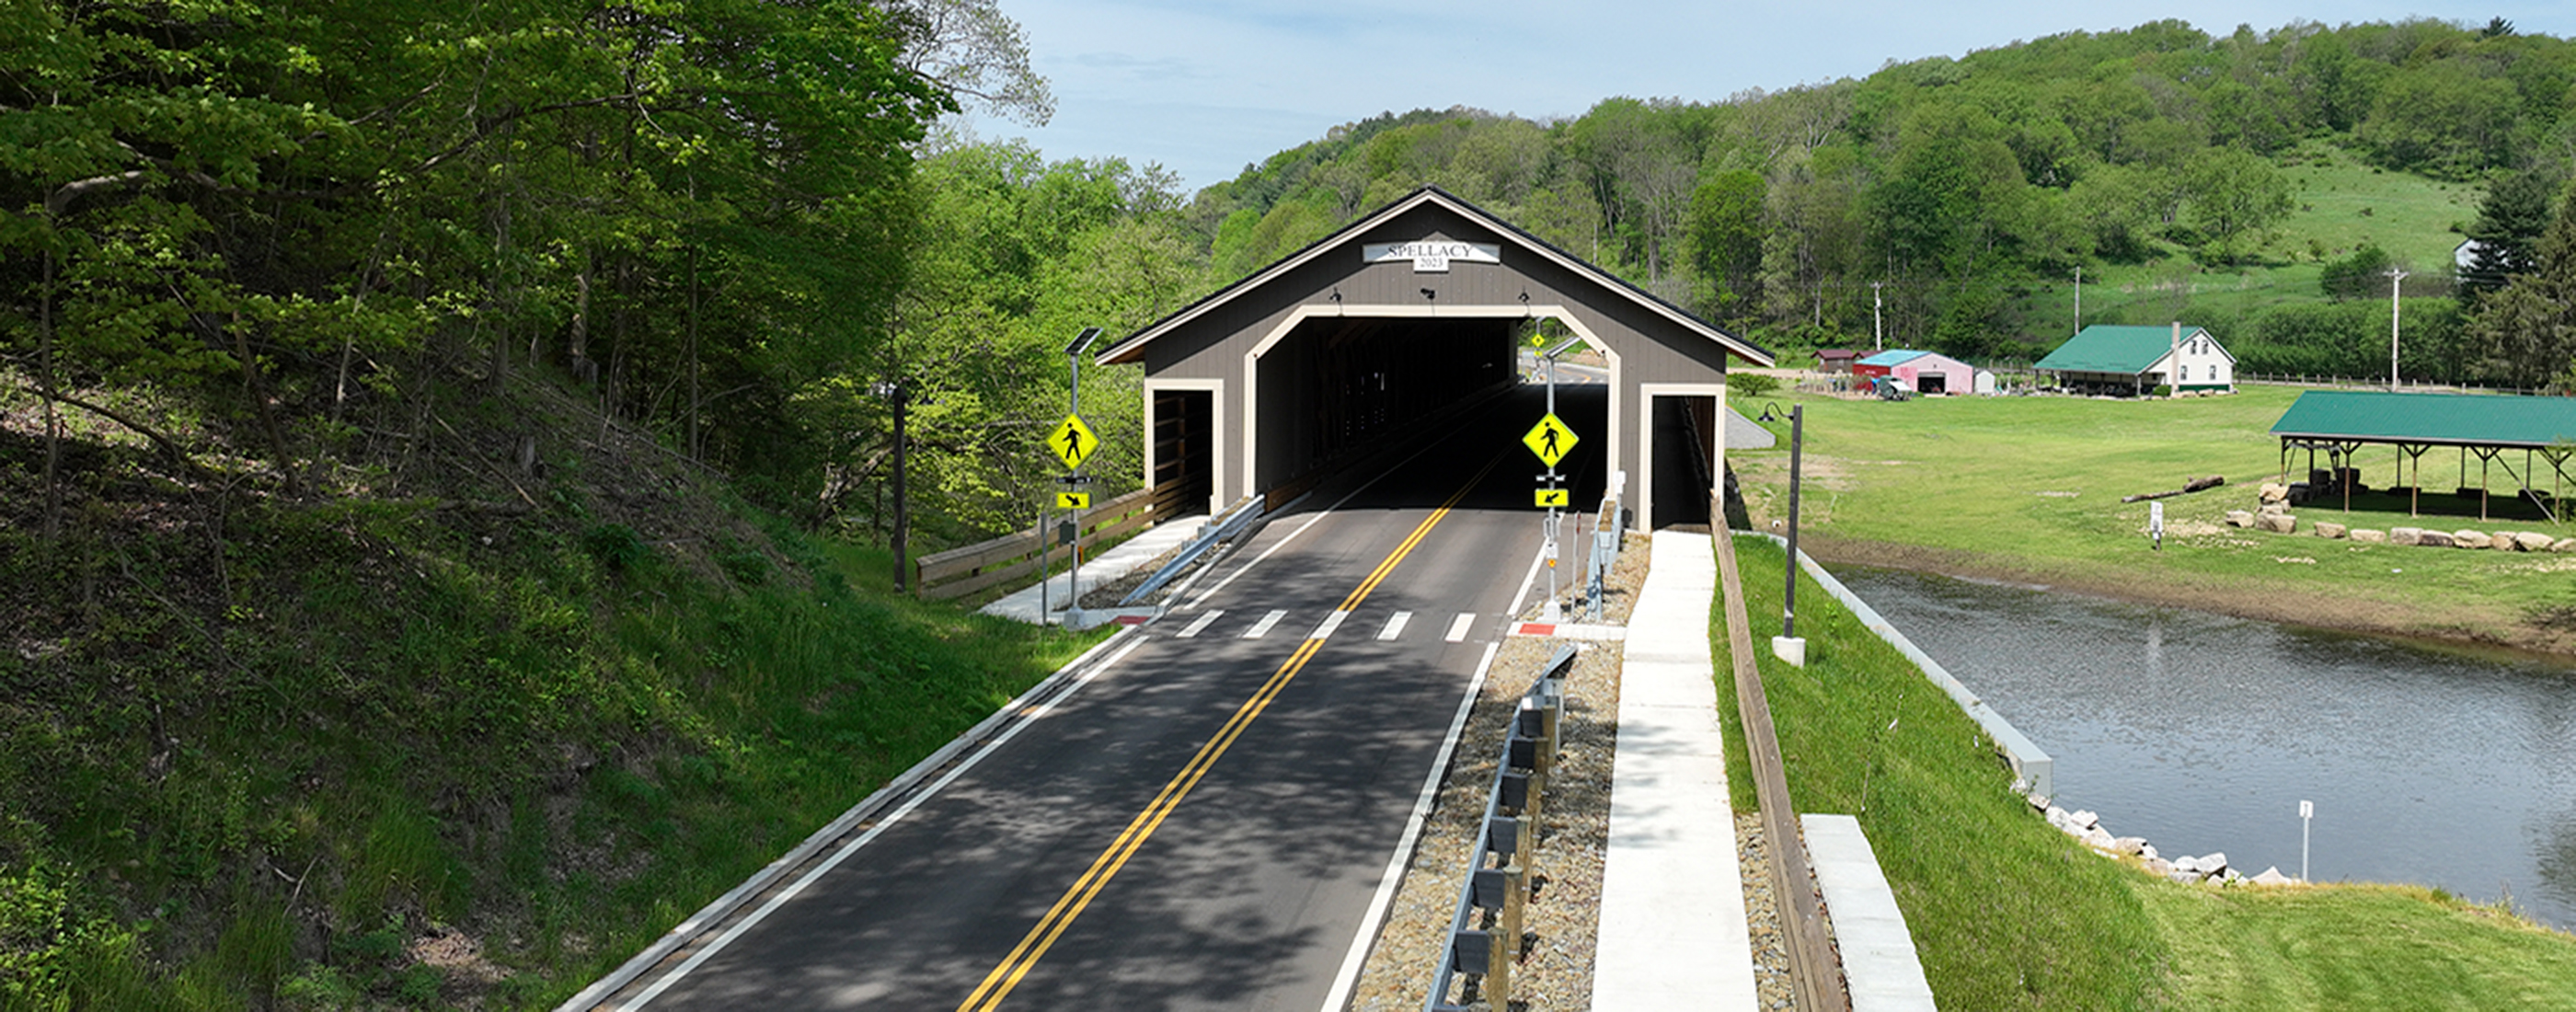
x=2484 y=458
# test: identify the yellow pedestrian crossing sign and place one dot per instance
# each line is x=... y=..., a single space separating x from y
x=1550 y=439
x=1073 y=500
x=1072 y=442
x=1555 y=497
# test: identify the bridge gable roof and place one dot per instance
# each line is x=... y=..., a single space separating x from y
x=1427 y=205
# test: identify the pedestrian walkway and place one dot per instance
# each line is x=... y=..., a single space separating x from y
x=1130 y=555
x=1672 y=899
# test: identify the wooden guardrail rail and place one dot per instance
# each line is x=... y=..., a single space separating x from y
x=961 y=571
x=1815 y=975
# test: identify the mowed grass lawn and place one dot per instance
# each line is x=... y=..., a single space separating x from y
x=2008 y=913
x=2029 y=488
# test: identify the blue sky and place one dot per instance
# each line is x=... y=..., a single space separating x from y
x=1205 y=87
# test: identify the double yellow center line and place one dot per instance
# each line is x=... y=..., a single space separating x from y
x=997 y=984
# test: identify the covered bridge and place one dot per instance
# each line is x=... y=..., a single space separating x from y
x=1359 y=338
x=2488 y=427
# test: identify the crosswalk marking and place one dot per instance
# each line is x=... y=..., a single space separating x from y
x=1330 y=623
x=1196 y=626
x=1262 y=628
x=1458 y=629
x=1395 y=626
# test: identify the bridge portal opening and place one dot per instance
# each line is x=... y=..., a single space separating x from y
x=1184 y=452
x=1335 y=389
x=1683 y=455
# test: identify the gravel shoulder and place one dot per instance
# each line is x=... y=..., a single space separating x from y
x=1555 y=972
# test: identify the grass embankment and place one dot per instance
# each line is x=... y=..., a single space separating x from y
x=389 y=753
x=2007 y=912
x=2342 y=204
x=2029 y=488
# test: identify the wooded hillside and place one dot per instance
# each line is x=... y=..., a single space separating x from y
x=1964 y=194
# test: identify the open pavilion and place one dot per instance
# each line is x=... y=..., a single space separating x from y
x=2487 y=427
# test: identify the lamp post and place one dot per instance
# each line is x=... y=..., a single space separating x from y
x=1788 y=646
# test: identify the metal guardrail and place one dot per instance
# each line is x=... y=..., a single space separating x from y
x=1485 y=948
x=1609 y=531
x=1219 y=531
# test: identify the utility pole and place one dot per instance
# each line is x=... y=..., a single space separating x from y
x=2079 y=298
x=1877 y=330
x=2395 y=276
x=899 y=396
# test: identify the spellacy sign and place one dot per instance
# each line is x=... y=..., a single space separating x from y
x=1432 y=256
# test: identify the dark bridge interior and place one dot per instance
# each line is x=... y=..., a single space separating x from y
x=1338 y=388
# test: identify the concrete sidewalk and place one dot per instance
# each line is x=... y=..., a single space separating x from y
x=1672 y=930
x=1117 y=562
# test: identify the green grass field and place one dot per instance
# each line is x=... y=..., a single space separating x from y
x=2030 y=487
x=2007 y=912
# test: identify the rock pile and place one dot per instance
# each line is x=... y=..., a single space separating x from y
x=2273 y=514
x=2086 y=828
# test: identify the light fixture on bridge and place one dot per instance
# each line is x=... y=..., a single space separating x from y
x=1429 y=294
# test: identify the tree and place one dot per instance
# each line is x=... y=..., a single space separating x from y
x=969 y=48
x=2356 y=276
x=2444 y=119
x=2525 y=334
x=1725 y=240
x=2511 y=220
x=2236 y=195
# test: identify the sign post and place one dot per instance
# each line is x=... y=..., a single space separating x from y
x=1551 y=440
x=2307 y=811
x=1072 y=443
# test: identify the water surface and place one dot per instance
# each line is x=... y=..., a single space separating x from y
x=2202 y=732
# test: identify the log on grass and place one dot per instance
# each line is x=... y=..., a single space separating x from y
x=2188 y=487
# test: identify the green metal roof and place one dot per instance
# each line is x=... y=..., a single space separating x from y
x=2107 y=348
x=2366 y=416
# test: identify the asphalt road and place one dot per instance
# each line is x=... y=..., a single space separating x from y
x=1204 y=824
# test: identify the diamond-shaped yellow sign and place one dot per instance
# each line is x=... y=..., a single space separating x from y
x=1556 y=497
x=1550 y=439
x=1072 y=441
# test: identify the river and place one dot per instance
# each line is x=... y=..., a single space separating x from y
x=2202 y=732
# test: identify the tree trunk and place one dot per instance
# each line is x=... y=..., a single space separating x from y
x=256 y=388
x=697 y=448
x=53 y=414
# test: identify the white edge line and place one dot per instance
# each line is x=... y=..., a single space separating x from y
x=866 y=838
x=724 y=906
x=1340 y=996
x=1537 y=559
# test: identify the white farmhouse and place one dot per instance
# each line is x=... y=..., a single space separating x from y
x=2134 y=360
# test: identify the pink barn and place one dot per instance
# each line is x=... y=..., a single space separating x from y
x=1923 y=372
